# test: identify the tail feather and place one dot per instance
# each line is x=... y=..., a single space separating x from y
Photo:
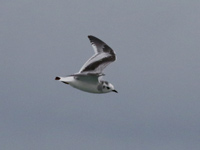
x=57 y=78
x=65 y=80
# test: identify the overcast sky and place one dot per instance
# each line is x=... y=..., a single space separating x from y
x=157 y=75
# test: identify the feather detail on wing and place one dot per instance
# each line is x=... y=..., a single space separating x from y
x=103 y=56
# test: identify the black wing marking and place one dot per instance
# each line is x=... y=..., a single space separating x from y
x=104 y=55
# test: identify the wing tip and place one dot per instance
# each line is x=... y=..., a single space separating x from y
x=90 y=36
x=93 y=39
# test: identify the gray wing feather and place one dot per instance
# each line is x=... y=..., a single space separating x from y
x=103 y=56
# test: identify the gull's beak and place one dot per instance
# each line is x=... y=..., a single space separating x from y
x=115 y=91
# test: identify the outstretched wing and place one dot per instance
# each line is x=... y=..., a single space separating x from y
x=103 y=56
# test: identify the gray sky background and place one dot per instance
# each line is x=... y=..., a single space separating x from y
x=157 y=74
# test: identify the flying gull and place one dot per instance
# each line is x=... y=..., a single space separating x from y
x=89 y=77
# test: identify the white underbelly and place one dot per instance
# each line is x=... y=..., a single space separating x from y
x=85 y=86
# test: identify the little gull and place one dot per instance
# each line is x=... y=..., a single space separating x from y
x=88 y=79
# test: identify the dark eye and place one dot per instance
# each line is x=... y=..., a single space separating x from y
x=108 y=88
x=103 y=87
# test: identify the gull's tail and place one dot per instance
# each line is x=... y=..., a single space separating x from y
x=57 y=78
x=65 y=80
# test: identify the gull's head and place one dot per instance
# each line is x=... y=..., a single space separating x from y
x=108 y=87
